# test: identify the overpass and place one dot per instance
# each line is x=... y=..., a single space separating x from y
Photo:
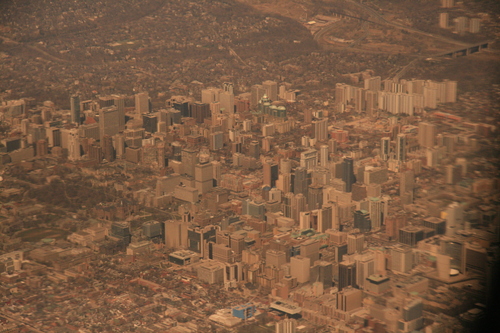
x=464 y=51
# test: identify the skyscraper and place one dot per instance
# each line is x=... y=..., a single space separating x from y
x=426 y=135
x=109 y=123
x=401 y=147
x=348 y=173
x=385 y=148
x=75 y=109
x=300 y=181
x=142 y=103
x=347 y=274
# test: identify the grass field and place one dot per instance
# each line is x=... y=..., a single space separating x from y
x=36 y=234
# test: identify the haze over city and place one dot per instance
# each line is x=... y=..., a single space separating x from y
x=249 y=166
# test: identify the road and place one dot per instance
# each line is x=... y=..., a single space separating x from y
x=376 y=15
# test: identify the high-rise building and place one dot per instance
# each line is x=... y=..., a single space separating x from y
x=385 y=148
x=200 y=111
x=355 y=243
x=257 y=92
x=348 y=173
x=275 y=258
x=299 y=204
x=309 y=159
x=288 y=325
x=474 y=25
x=73 y=145
x=320 y=129
x=203 y=176
x=426 y=135
x=362 y=220
x=271 y=173
x=300 y=267
x=75 y=109
x=444 y=18
x=199 y=237
x=402 y=259
x=347 y=274
x=300 y=181
x=271 y=88
x=401 y=147
x=254 y=149
x=150 y=122
x=121 y=230
x=142 y=103
x=109 y=123
x=189 y=159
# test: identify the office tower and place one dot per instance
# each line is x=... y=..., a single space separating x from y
x=271 y=88
x=211 y=272
x=426 y=135
x=378 y=210
x=176 y=234
x=189 y=160
x=315 y=197
x=200 y=111
x=152 y=229
x=275 y=258
x=300 y=181
x=121 y=230
x=310 y=249
x=322 y=271
x=412 y=314
x=320 y=129
x=402 y=259
x=362 y=221
x=355 y=243
x=226 y=100
x=271 y=173
x=203 y=174
x=199 y=237
x=216 y=140
x=119 y=102
x=75 y=109
x=257 y=92
x=324 y=154
x=141 y=103
x=287 y=204
x=454 y=218
x=309 y=159
x=393 y=223
x=327 y=217
x=108 y=149
x=385 y=148
x=254 y=149
x=41 y=148
x=300 y=267
x=348 y=173
x=406 y=182
x=73 y=145
x=150 y=122
x=359 y=192
x=347 y=274
x=210 y=95
x=365 y=267
x=299 y=204
x=474 y=25
x=443 y=20
x=254 y=208
x=288 y=325
x=349 y=299
x=411 y=235
x=108 y=122
x=453 y=174
x=401 y=147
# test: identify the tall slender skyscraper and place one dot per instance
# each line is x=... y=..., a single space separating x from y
x=142 y=103
x=75 y=109
x=401 y=147
x=385 y=148
x=348 y=173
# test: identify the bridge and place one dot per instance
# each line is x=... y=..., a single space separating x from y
x=464 y=51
